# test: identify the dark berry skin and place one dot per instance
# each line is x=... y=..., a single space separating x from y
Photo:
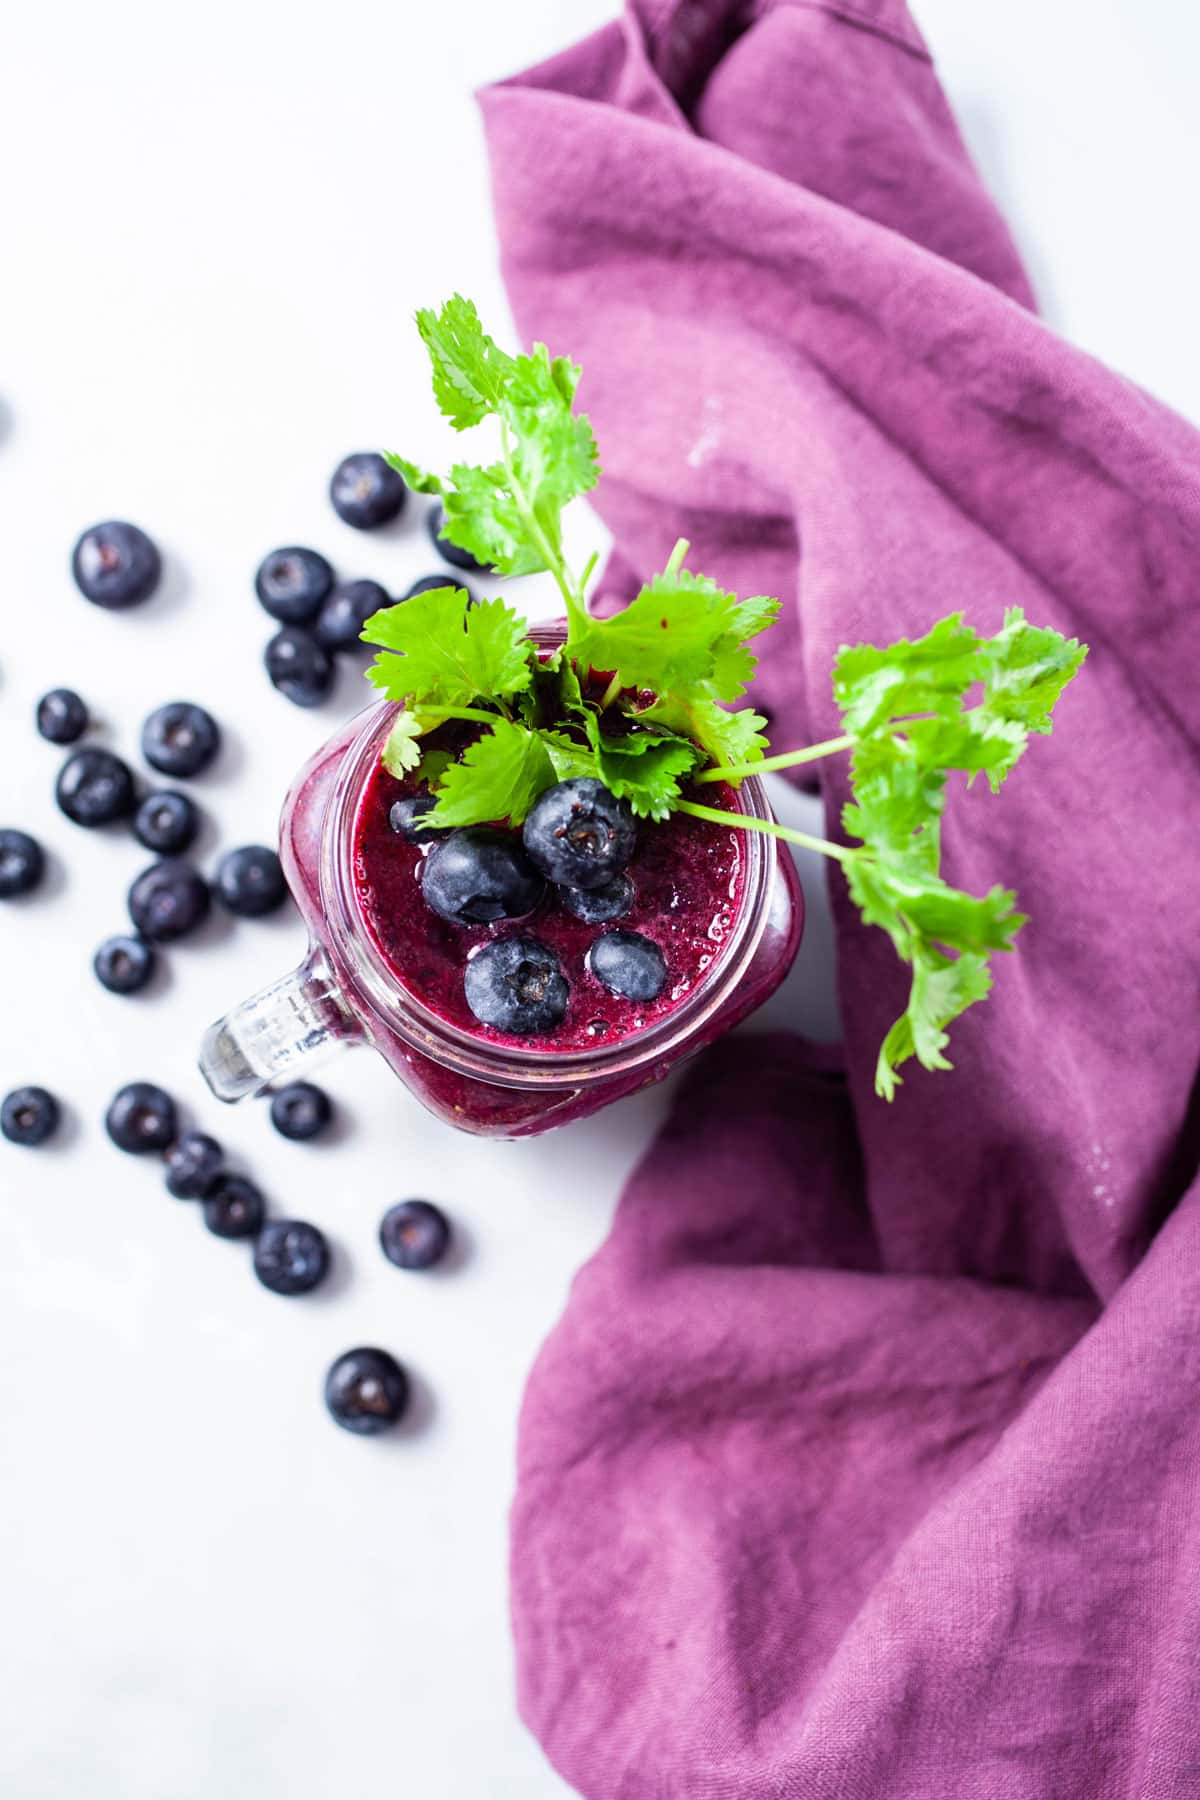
x=180 y=739
x=298 y=666
x=22 y=863
x=166 y=823
x=234 y=1207
x=406 y=818
x=62 y=718
x=427 y=583
x=141 y=1118
x=250 y=881
x=94 y=787
x=116 y=565
x=366 y=491
x=301 y=1111
x=478 y=875
x=291 y=1257
x=414 y=1234
x=168 y=900
x=28 y=1116
x=580 y=835
x=599 y=906
x=193 y=1163
x=628 y=964
x=366 y=1391
x=124 y=964
x=342 y=616
x=291 y=584
x=435 y=518
x=517 y=985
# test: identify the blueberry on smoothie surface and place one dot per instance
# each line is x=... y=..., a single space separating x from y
x=479 y=875
x=28 y=1116
x=516 y=984
x=459 y=558
x=193 y=1163
x=339 y=624
x=414 y=1234
x=292 y=582
x=628 y=964
x=250 y=881
x=366 y=491
x=124 y=964
x=180 y=738
x=141 y=1118
x=166 y=822
x=366 y=1391
x=291 y=1257
x=116 y=565
x=301 y=1111
x=234 y=1207
x=599 y=906
x=62 y=717
x=94 y=787
x=298 y=666
x=579 y=834
x=407 y=818
x=168 y=900
x=22 y=863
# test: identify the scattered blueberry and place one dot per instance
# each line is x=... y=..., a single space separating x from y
x=628 y=964
x=366 y=1391
x=29 y=1115
x=250 y=881
x=94 y=787
x=291 y=1257
x=414 y=1234
x=22 y=863
x=141 y=1117
x=193 y=1163
x=435 y=518
x=298 y=666
x=405 y=816
x=168 y=900
x=426 y=584
x=61 y=716
x=180 y=738
x=599 y=906
x=366 y=491
x=478 y=875
x=300 y=1111
x=234 y=1207
x=516 y=984
x=580 y=835
x=116 y=565
x=342 y=616
x=166 y=822
x=124 y=964
x=291 y=584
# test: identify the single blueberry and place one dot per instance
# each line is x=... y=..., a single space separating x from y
x=298 y=666
x=366 y=491
x=234 y=1207
x=166 y=822
x=193 y=1163
x=599 y=906
x=406 y=818
x=414 y=1234
x=22 y=863
x=291 y=584
x=300 y=1111
x=29 y=1115
x=124 y=964
x=94 y=787
x=425 y=584
x=628 y=964
x=340 y=622
x=580 y=835
x=140 y=1118
x=116 y=565
x=435 y=519
x=478 y=875
x=180 y=738
x=366 y=1391
x=516 y=984
x=250 y=881
x=62 y=716
x=168 y=900
x=291 y=1257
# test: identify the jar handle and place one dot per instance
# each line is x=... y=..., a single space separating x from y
x=302 y=1017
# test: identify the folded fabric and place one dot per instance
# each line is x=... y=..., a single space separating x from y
x=865 y=1460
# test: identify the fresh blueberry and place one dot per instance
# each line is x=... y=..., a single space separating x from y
x=141 y=1117
x=478 y=875
x=366 y=1391
x=168 y=900
x=166 y=822
x=435 y=519
x=94 y=787
x=61 y=716
x=580 y=835
x=250 y=881
x=405 y=818
x=22 y=863
x=300 y=1111
x=366 y=491
x=124 y=964
x=628 y=964
x=516 y=984
x=116 y=565
x=426 y=584
x=341 y=619
x=298 y=666
x=193 y=1163
x=291 y=1257
x=29 y=1115
x=291 y=584
x=414 y=1234
x=599 y=906
x=234 y=1207
x=180 y=738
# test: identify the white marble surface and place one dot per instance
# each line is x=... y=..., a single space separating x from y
x=215 y=225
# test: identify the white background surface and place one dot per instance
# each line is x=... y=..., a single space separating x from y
x=215 y=225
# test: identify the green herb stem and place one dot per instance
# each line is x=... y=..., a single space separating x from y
x=746 y=822
x=551 y=554
x=611 y=692
x=474 y=715
x=787 y=759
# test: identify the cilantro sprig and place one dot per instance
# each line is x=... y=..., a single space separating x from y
x=642 y=701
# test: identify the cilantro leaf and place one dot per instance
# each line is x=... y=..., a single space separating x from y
x=725 y=737
x=444 y=652
x=667 y=637
x=401 y=752
x=568 y=758
x=470 y=371
x=499 y=777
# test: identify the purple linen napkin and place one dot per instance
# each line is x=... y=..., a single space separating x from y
x=865 y=1461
